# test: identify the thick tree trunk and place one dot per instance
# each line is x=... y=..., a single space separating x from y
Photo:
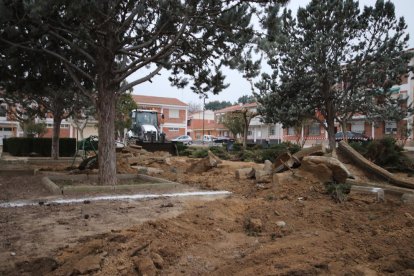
x=106 y=148
x=245 y=131
x=55 y=136
x=330 y=121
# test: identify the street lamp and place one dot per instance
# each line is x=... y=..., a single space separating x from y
x=204 y=96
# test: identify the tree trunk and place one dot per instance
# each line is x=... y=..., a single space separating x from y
x=55 y=136
x=330 y=121
x=106 y=149
x=344 y=131
x=245 y=130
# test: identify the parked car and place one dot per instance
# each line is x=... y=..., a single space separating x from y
x=350 y=135
x=223 y=139
x=209 y=138
x=185 y=139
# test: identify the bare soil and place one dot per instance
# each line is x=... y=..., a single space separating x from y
x=293 y=228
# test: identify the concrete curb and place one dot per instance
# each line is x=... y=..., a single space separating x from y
x=48 y=182
x=51 y=186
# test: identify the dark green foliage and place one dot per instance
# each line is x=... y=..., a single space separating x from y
x=41 y=146
x=199 y=153
x=338 y=191
x=335 y=59
x=237 y=147
x=182 y=149
x=217 y=105
x=19 y=146
x=385 y=153
x=220 y=152
x=256 y=153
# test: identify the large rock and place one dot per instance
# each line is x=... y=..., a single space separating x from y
x=205 y=164
x=268 y=166
x=315 y=150
x=262 y=176
x=339 y=172
x=245 y=173
x=319 y=171
x=283 y=162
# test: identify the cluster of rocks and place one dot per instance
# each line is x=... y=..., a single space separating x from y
x=325 y=168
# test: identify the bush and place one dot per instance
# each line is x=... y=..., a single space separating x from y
x=237 y=147
x=220 y=152
x=182 y=149
x=18 y=146
x=199 y=153
x=385 y=153
x=338 y=191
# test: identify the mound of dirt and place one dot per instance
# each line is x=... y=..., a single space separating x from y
x=292 y=227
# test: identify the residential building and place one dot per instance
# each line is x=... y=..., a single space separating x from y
x=196 y=127
x=258 y=131
x=175 y=113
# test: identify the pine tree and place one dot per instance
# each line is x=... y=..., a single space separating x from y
x=333 y=60
x=105 y=42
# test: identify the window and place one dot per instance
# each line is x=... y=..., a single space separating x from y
x=390 y=127
x=3 y=111
x=291 y=131
x=173 y=129
x=249 y=133
x=272 y=130
x=314 y=129
x=174 y=113
x=358 y=126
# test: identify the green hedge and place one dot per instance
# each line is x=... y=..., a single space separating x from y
x=41 y=146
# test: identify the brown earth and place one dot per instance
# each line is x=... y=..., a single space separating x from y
x=293 y=228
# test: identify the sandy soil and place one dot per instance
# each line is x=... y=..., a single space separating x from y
x=294 y=228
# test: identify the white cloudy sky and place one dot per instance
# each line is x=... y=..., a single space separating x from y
x=238 y=86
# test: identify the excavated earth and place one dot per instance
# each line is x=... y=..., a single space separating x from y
x=293 y=228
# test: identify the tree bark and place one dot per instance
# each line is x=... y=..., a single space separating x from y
x=57 y=120
x=245 y=130
x=106 y=131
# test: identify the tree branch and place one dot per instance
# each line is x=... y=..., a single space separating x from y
x=141 y=80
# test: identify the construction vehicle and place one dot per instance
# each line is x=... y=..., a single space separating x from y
x=145 y=131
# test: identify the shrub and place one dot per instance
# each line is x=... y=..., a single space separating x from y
x=385 y=153
x=199 y=153
x=338 y=191
x=18 y=146
x=220 y=152
x=237 y=147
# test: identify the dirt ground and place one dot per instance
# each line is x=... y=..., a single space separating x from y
x=293 y=228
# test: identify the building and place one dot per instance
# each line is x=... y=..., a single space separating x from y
x=175 y=113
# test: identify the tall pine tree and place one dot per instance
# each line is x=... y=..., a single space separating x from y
x=332 y=60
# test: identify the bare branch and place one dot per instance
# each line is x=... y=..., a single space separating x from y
x=141 y=80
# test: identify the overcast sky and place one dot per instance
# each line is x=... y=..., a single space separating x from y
x=161 y=87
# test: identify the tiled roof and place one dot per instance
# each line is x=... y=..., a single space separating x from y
x=235 y=107
x=141 y=99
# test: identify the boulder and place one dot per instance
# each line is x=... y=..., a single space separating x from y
x=339 y=172
x=283 y=160
x=205 y=164
x=315 y=150
x=268 y=166
x=262 y=176
x=245 y=173
x=320 y=171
